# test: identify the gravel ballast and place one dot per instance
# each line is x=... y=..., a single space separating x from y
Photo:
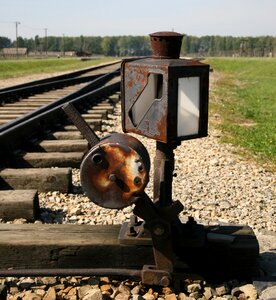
x=213 y=183
x=215 y=186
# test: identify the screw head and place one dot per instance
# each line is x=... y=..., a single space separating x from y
x=165 y=281
x=97 y=158
x=137 y=180
x=112 y=177
x=131 y=231
x=140 y=168
x=158 y=230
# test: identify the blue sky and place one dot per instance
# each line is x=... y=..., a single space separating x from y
x=127 y=17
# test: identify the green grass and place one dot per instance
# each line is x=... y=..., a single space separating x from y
x=244 y=96
x=14 y=68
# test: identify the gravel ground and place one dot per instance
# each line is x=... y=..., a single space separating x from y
x=215 y=186
x=213 y=183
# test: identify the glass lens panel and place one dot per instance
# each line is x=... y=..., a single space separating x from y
x=152 y=91
x=188 y=106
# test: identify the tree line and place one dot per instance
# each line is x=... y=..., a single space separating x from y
x=229 y=46
x=140 y=45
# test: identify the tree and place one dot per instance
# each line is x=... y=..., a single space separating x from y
x=140 y=45
x=5 y=42
x=109 y=46
x=185 y=48
x=20 y=42
x=94 y=44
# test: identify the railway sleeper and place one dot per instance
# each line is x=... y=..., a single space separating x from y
x=64 y=135
x=48 y=159
x=15 y=109
x=93 y=115
x=25 y=104
x=44 y=100
x=40 y=97
x=108 y=108
x=93 y=246
x=74 y=128
x=93 y=112
x=115 y=97
x=78 y=145
x=16 y=204
x=10 y=116
x=41 y=179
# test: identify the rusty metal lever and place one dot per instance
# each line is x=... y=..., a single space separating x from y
x=81 y=124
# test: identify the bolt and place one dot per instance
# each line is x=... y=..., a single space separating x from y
x=133 y=220
x=131 y=231
x=164 y=281
x=137 y=180
x=158 y=230
x=97 y=158
x=140 y=168
x=112 y=177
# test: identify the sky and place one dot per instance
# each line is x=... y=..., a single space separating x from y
x=141 y=17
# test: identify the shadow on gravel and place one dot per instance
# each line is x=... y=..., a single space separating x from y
x=76 y=189
x=49 y=216
x=268 y=263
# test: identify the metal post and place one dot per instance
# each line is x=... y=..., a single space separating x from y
x=163 y=174
x=16 y=35
x=63 y=45
x=46 y=42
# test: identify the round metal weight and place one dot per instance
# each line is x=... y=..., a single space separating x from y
x=115 y=171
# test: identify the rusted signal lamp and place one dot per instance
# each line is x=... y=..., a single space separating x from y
x=163 y=97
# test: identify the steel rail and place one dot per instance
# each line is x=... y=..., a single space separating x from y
x=96 y=83
x=16 y=94
x=70 y=272
x=59 y=77
x=19 y=93
x=28 y=128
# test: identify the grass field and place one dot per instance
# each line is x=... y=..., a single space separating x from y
x=244 y=98
x=14 y=68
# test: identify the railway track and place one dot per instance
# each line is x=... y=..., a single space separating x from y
x=39 y=144
x=39 y=150
x=25 y=98
x=38 y=154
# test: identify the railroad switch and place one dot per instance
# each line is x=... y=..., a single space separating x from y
x=164 y=98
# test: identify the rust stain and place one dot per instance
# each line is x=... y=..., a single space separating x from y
x=123 y=163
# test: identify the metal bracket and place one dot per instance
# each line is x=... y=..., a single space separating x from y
x=152 y=276
x=155 y=231
x=135 y=234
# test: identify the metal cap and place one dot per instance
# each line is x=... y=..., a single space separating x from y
x=166 y=44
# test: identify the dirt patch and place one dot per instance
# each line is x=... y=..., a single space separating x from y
x=247 y=123
x=23 y=79
x=214 y=77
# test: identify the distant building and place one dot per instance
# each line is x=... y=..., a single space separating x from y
x=11 y=52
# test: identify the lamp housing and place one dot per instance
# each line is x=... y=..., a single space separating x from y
x=163 y=97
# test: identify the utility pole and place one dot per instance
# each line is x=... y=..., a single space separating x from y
x=63 y=44
x=16 y=36
x=46 y=41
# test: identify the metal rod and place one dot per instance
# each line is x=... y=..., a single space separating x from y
x=81 y=124
x=163 y=174
x=69 y=272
